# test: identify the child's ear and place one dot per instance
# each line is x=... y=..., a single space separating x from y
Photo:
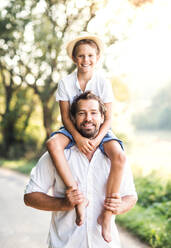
x=98 y=57
x=74 y=59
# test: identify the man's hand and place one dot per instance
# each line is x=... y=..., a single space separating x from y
x=114 y=204
x=119 y=205
x=74 y=197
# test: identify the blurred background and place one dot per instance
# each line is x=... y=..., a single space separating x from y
x=137 y=59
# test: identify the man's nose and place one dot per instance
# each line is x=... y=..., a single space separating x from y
x=88 y=117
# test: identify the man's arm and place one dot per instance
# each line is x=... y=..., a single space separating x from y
x=45 y=202
x=119 y=205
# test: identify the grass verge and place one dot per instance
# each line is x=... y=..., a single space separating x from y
x=22 y=165
x=150 y=219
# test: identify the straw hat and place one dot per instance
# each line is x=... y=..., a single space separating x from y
x=83 y=36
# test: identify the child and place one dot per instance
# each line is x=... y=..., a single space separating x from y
x=85 y=52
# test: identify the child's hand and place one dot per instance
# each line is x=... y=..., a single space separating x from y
x=95 y=143
x=85 y=145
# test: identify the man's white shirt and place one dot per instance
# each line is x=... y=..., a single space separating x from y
x=91 y=178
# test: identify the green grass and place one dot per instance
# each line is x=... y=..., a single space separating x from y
x=150 y=219
x=21 y=165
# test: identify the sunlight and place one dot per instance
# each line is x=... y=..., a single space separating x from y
x=142 y=54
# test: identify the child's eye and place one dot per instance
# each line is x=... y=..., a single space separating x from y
x=81 y=113
x=94 y=113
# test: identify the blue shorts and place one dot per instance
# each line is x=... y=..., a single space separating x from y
x=109 y=136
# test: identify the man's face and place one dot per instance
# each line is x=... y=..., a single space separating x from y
x=88 y=118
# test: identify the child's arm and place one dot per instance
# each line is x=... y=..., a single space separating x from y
x=84 y=144
x=105 y=126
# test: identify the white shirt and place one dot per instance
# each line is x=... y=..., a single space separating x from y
x=69 y=87
x=91 y=177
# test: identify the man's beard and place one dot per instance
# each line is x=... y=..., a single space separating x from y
x=88 y=133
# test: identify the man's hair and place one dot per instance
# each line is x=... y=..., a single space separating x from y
x=88 y=95
x=83 y=42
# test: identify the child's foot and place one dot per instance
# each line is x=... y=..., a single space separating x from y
x=104 y=221
x=80 y=212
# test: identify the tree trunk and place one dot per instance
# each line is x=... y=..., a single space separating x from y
x=47 y=119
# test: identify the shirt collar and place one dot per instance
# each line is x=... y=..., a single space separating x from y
x=77 y=82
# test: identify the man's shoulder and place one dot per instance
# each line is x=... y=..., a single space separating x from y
x=45 y=159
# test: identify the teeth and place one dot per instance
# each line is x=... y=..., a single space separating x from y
x=88 y=125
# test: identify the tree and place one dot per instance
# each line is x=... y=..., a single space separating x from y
x=32 y=48
x=12 y=27
x=51 y=28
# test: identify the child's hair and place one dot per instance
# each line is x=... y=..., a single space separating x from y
x=83 y=42
x=86 y=96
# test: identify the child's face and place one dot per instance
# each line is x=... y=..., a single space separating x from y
x=86 y=58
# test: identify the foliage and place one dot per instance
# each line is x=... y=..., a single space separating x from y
x=158 y=114
x=150 y=219
x=45 y=57
x=15 y=140
x=21 y=165
x=32 y=48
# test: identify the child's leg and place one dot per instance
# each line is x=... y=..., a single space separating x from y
x=117 y=157
x=56 y=145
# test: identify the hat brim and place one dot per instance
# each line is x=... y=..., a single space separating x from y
x=72 y=43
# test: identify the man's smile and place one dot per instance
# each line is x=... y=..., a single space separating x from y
x=87 y=125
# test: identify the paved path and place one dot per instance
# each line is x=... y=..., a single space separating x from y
x=24 y=227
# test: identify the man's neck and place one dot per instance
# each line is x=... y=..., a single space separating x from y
x=90 y=155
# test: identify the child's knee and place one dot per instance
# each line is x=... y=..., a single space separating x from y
x=120 y=159
x=57 y=141
x=115 y=153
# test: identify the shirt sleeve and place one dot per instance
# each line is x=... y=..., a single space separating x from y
x=107 y=91
x=127 y=184
x=42 y=176
x=61 y=93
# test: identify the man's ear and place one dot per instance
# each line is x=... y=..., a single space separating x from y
x=72 y=119
x=102 y=119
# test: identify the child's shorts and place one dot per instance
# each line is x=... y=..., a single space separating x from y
x=109 y=136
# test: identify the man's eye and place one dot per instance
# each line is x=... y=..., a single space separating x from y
x=81 y=113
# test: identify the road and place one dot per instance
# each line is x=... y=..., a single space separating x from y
x=22 y=226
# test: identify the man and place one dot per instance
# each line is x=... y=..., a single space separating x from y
x=91 y=173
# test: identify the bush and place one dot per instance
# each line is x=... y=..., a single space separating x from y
x=150 y=219
x=149 y=189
